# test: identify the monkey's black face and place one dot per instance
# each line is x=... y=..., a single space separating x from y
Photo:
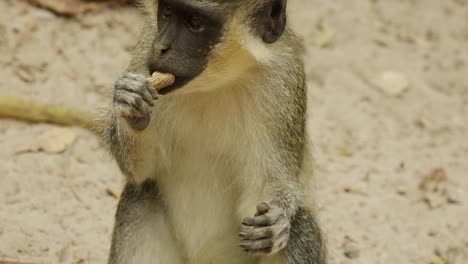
x=189 y=29
x=186 y=34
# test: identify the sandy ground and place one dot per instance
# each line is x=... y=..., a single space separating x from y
x=391 y=165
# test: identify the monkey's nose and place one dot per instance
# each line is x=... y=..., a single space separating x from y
x=164 y=50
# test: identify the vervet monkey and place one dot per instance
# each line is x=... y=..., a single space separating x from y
x=218 y=164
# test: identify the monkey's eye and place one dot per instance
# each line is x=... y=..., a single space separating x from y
x=196 y=23
x=166 y=12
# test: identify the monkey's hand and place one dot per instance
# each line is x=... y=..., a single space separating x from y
x=267 y=232
x=133 y=99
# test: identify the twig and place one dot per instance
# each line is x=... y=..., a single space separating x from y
x=66 y=8
x=16 y=261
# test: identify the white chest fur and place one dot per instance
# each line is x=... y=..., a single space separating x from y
x=209 y=145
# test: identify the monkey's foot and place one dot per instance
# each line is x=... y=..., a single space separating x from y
x=267 y=232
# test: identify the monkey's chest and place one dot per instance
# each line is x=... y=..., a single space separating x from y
x=203 y=161
x=201 y=198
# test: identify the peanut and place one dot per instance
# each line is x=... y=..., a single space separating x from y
x=161 y=80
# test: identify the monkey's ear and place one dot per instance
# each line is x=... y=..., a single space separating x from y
x=270 y=21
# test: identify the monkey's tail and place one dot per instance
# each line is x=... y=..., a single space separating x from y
x=35 y=112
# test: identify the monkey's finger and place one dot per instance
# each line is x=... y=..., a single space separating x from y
x=148 y=97
x=252 y=233
x=280 y=242
x=125 y=111
x=129 y=113
x=130 y=83
x=133 y=116
x=257 y=246
x=142 y=106
x=262 y=220
x=138 y=88
x=262 y=209
x=267 y=219
x=133 y=101
x=135 y=76
x=145 y=93
x=140 y=123
x=154 y=93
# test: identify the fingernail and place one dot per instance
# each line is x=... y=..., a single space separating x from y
x=244 y=245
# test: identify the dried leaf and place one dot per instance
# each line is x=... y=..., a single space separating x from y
x=449 y=256
x=18 y=261
x=55 y=140
x=114 y=192
x=326 y=34
x=350 y=248
x=25 y=73
x=80 y=257
x=392 y=83
x=325 y=38
x=65 y=254
x=345 y=151
x=434 y=188
x=66 y=7
x=355 y=190
x=30 y=28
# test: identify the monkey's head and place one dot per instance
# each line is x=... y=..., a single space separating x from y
x=208 y=43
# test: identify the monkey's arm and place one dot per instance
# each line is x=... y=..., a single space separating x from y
x=268 y=230
x=285 y=192
x=139 y=62
x=299 y=235
x=125 y=140
x=127 y=122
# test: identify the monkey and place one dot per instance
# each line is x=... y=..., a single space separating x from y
x=218 y=165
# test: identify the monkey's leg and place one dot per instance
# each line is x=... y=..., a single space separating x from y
x=306 y=244
x=141 y=233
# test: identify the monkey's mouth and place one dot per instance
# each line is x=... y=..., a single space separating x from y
x=179 y=83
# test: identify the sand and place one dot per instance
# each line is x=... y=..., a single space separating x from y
x=388 y=114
